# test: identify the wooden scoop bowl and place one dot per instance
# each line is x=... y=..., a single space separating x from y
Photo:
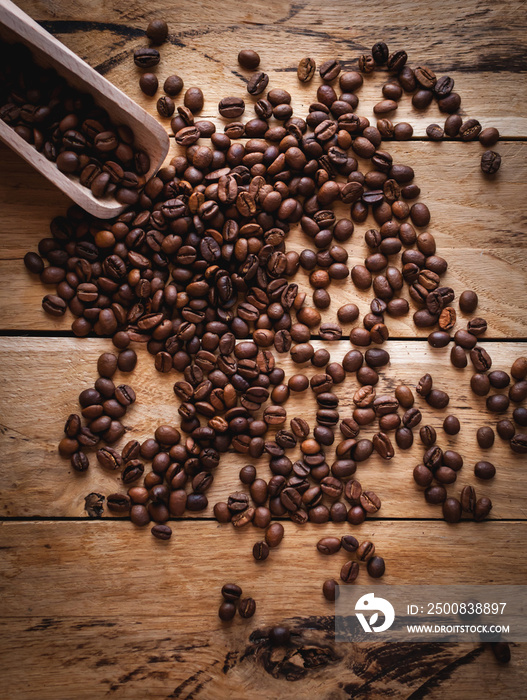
x=150 y=136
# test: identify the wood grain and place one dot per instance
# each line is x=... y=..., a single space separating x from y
x=481 y=48
x=479 y=227
x=80 y=621
x=43 y=377
x=91 y=609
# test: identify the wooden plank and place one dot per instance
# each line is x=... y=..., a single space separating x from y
x=90 y=609
x=478 y=227
x=43 y=377
x=482 y=50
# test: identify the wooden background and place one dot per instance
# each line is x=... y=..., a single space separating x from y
x=92 y=609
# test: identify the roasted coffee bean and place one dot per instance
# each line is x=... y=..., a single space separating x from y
x=490 y=162
x=505 y=429
x=485 y=437
x=519 y=368
x=501 y=651
x=246 y=607
x=365 y=551
x=412 y=418
x=383 y=446
x=497 y=403
x=451 y=425
x=247 y=58
x=482 y=508
x=424 y=386
x=260 y=551
x=518 y=443
x=306 y=69
x=484 y=470
x=79 y=461
x=435 y=494
x=468 y=301
x=468 y=499
x=146 y=58
x=161 y=532
x=349 y=571
x=227 y=611
x=370 y=502
x=451 y=510
x=376 y=567
x=257 y=83
x=438 y=399
x=349 y=543
x=422 y=475
x=330 y=589
x=329 y=545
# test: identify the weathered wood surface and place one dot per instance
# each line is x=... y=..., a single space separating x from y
x=93 y=609
x=479 y=227
x=481 y=47
x=43 y=377
x=98 y=610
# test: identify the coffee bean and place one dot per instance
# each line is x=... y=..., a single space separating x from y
x=376 y=567
x=79 y=461
x=246 y=607
x=328 y=545
x=329 y=70
x=306 y=69
x=383 y=446
x=370 y=502
x=148 y=83
x=146 y=58
x=54 y=305
x=490 y=162
x=438 y=399
x=330 y=589
x=274 y=534
x=162 y=532
x=482 y=508
x=519 y=443
x=505 y=429
x=519 y=368
x=349 y=572
x=249 y=59
x=261 y=551
x=485 y=437
x=451 y=425
x=452 y=510
x=257 y=83
x=279 y=635
x=480 y=359
x=422 y=475
x=173 y=85
x=501 y=651
x=349 y=543
x=365 y=550
x=484 y=470
x=227 y=611
x=497 y=403
x=468 y=499
x=435 y=494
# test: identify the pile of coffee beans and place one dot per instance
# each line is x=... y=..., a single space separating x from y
x=69 y=128
x=233 y=601
x=102 y=407
x=425 y=87
x=364 y=552
x=198 y=271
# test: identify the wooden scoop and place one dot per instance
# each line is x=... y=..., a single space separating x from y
x=150 y=136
